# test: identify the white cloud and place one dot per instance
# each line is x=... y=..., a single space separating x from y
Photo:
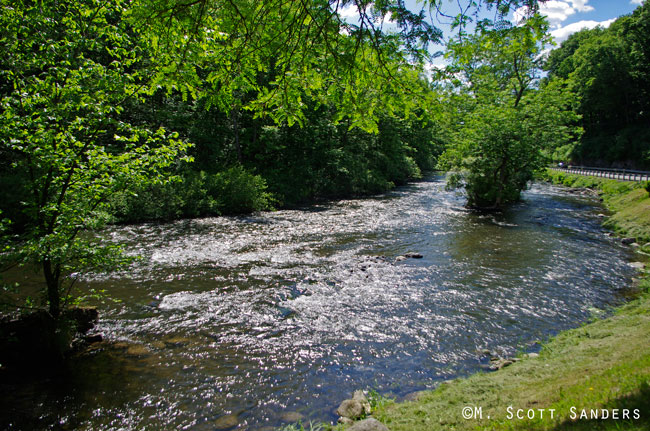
x=349 y=13
x=561 y=34
x=557 y=11
x=581 y=5
x=636 y=1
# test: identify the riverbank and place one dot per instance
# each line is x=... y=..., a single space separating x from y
x=629 y=203
x=601 y=369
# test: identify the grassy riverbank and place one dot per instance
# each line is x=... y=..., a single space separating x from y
x=601 y=365
x=629 y=202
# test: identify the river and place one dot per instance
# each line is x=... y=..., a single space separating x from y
x=237 y=321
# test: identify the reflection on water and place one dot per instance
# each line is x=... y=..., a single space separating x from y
x=231 y=322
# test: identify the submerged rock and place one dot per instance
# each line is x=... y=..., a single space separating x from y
x=291 y=417
x=370 y=424
x=176 y=341
x=137 y=350
x=226 y=422
x=413 y=255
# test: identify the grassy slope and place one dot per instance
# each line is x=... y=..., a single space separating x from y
x=604 y=364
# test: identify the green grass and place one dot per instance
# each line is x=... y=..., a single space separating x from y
x=629 y=202
x=603 y=364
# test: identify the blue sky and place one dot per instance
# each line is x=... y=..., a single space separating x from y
x=565 y=16
x=568 y=16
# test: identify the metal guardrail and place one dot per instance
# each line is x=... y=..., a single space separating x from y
x=615 y=174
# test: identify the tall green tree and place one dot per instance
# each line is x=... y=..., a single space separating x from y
x=507 y=123
x=67 y=69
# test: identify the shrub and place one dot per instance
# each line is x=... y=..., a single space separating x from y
x=194 y=194
x=237 y=191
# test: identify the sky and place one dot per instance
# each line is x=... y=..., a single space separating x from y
x=569 y=16
x=565 y=16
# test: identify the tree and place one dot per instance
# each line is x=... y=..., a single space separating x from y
x=507 y=124
x=68 y=68
x=302 y=48
x=607 y=70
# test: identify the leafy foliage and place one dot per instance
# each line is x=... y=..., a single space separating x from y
x=505 y=125
x=70 y=67
x=607 y=70
x=286 y=102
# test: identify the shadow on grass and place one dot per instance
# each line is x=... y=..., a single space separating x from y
x=638 y=403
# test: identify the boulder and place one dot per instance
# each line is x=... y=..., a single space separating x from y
x=352 y=409
x=83 y=317
x=94 y=338
x=38 y=340
x=500 y=363
x=628 y=241
x=415 y=396
x=345 y=421
x=370 y=424
x=361 y=398
x=413 y=255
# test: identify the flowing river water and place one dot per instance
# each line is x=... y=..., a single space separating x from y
x=249 y=322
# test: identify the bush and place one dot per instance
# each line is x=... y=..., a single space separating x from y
x=194 y=194
x=237 y=191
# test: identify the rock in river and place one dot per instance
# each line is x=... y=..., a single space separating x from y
x=226 y=422
x=361 y=397
x=354 y=408
x=291 y=417
x=351 y=409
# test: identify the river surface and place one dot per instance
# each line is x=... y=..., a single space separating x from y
x=235 y=322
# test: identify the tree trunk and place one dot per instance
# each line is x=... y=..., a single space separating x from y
x=501 y=183
x=52 y=282
x=235 y=125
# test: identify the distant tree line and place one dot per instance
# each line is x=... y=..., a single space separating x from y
x=608 y=72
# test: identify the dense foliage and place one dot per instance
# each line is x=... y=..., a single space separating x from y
x=156 y=109
x=504 y=125
x=608 y=70
x=66 y=146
